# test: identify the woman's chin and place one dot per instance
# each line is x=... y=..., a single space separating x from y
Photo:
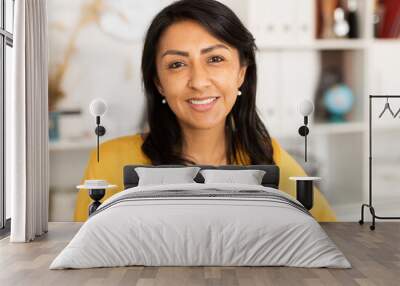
x=205 y=124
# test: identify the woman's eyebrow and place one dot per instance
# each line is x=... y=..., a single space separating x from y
x=209 y=49
x=186 y=54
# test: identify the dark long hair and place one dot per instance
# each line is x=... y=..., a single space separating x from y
x=245 y=132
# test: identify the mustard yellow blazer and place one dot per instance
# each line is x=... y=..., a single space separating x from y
x=117 y=153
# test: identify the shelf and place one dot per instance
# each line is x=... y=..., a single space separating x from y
x=390 y=43
x=319 y=44
x=66 y=145
x=338 y=128
x=328 y=129
x=344 y=44
x=395 y=126
x=386 y=41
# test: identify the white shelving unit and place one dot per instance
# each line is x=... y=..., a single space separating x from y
x=369 y=65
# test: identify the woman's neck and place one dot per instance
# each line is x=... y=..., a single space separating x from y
x=205 y=146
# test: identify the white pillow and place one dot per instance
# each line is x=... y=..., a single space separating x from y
x=249 y=177
x=162 y=176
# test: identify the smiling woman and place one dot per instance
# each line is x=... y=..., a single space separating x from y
x=200 y=77
x=198 y=57
x=200 y=81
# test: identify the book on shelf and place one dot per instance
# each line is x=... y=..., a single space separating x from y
x=389 y=18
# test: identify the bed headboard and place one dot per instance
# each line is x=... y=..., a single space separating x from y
x=270 y=179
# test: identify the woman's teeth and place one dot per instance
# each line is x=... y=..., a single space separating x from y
x=204 y=101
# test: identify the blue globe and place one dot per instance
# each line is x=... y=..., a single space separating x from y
x=338 y=101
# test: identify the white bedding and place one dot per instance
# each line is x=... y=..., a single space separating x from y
x=209 y=229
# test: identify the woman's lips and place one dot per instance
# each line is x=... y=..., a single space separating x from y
x=203 y=106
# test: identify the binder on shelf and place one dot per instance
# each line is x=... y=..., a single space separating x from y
x=284 y=79
x=304 y=20
x=299 y=77
x=268 y=90
x=286 y=26
x=262 y=21
x=283 y=22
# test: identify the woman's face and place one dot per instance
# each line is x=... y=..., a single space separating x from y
x=198 y=74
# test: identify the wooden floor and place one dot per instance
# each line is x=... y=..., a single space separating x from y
x=374 y=255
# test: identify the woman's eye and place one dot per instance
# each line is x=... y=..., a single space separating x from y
x=216 y=59
x=175 y=65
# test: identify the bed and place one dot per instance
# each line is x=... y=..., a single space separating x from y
x=201 y=224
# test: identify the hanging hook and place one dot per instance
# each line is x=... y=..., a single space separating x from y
x=387 y=107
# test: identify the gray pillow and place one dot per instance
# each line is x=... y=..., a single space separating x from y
x=162 y=176
x=249 y=177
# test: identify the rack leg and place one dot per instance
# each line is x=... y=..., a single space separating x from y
x=361 y=221
x=372 y=210
x=374 y=216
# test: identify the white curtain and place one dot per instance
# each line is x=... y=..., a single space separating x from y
x=27 y=123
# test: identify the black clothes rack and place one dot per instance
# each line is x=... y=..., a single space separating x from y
x=370 y=206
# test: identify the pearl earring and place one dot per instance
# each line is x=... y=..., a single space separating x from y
x=239 y=93
x=163 y=101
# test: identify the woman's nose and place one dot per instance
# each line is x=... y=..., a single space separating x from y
x=199 y=77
